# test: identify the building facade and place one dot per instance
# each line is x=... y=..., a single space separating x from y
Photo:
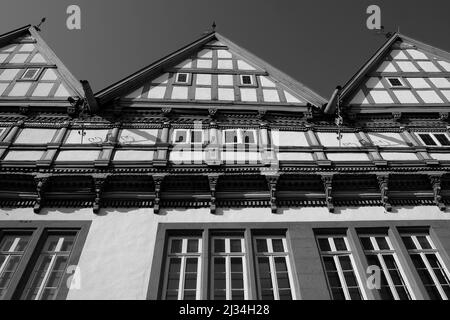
x=210 y=174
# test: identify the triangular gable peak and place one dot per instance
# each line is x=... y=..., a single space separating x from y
x=30 y=73
x=220 y=72
x=404 y=75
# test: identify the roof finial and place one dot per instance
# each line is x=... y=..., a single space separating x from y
x=38 y=27
x=214 y=26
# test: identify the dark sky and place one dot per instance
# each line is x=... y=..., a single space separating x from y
x=321 y=43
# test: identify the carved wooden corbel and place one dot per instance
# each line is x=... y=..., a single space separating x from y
x=328 y=186
x=99 y=184
x=443 y=116
x=436 y=184
x=383 y=183
x=213 y=179
x=41 y=184
x=158 y=180
x=212 y=112
x=272 y=182
x=396 y=116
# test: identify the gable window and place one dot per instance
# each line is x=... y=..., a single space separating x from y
x=428 y=263
x=183 y=269
x=379 y=252
x=247 y=80
x=239 y=136
x=188 y=136
x=435 y=139
x=340 y=268
x=396 y=82
x=182 y=78
x=30 y=74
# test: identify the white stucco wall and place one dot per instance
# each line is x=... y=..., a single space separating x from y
x=117 y=255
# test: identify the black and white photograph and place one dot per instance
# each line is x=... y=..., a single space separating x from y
x=236 y=153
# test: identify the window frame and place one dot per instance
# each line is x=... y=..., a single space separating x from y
x=252 y=80
x=379 y=254
x=228 y=255
x=422 y=252
x=34 y=78
x=188 y=136
x=184 y=255
x=38 y=231
x=240 y=136
x=403 y=84
x=433 y=137
x=334 y=253
x=188 y=78
x=273 y=273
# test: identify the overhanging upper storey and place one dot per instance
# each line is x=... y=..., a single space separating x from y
x=405 y=76
x=31 y=75
x=212 y=72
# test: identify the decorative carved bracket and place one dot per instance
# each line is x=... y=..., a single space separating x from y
x=383 y=183
x=261 y=114
x=212 y=112
x=166 y=112
x=328 y=186
x=272 y=182
x=41 y=184
x=158 y=180
x=396 y=116
x=443 y=116
x=308 y=115
x=213 y=179
x=99 y=184
x=436 y=184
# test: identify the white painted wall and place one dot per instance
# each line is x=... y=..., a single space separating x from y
x=117 y=256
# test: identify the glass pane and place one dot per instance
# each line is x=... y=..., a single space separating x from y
x=189 y=295
x=382 y=243
x=237 y=295
x=329 y=264
x=354 y=293
x=346 y=264
x=180 y=137
x=196 y=136
x=176 y=246
x=68 y=243
x=22 y=243
x=337 y=294
x=350 y=279
x=267 y=295
x=190 y=281
x=219 y=295
x=235 y=245
x=283 y=280
x=409 y=243
x=277 y=245
x=249 y=137
x=333 y=279
x=219 y=245
x=366 y=243
x=236 y=264
x=442 y=138
x=280 y=264
x=261 y=245
x=340 y=244
x=6 y=243
x=423 y=241
x=324 y=245
x=285 y=294
x=230 y=137
x=237 y=281
x=191 y=265
x=192 y=245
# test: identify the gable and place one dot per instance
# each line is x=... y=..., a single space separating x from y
x=407 y=74
x=29 y=70
x=212 y=70
x=216 y=73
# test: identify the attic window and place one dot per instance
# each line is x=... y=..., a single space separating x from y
x=396 y=82
x=182 y=78
x=246 y=80
x=30 y=74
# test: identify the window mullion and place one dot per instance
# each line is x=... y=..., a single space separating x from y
x=388 y=276
x=182 y=276
x=273 y=272
x=44 y=280
x=341 y=276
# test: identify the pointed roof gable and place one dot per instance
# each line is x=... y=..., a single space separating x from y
x=31 y=73
x=212 y=70
x=403 y=73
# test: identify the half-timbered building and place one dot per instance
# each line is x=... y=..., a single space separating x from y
x=210 y=174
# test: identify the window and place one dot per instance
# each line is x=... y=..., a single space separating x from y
x=12 y=248
x=188 y=136
x=34 y=261
x=435 y=139
x=247 y=80
x=30 y=74
x=339 y=266
x=379 y=252
x=48 y=272
x=229 y=269
x=239 y=136
x=429 y=265
x=274 y=274
x=183 y=269
x=182 y=78
x=396 y=82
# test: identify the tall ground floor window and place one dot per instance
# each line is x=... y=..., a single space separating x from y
x=35 y=257
x=229 y=265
